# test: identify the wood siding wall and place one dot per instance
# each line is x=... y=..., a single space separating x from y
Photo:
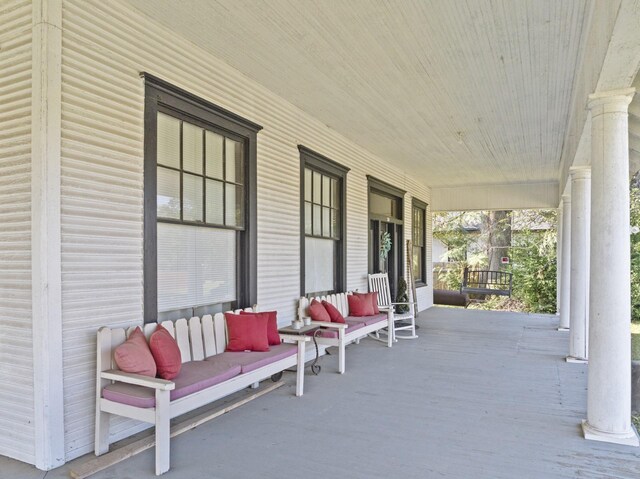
x=105 y=47
x=16 y=346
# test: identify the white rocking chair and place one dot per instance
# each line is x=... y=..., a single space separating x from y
x=379 y=283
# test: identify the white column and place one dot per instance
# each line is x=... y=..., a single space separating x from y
x=558 y=260
x=579 y=296
x=46 y=121
x=565 y=266
x=609 y=380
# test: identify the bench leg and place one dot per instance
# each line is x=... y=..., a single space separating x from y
x=300 y=370
x=255 y=385
x=341 y=357
x=391 y=329
x=162 y=432
x=102 y=431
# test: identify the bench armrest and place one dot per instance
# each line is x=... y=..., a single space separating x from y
x=408 y=302
x=295 y=338
x=138 y=380
x=326 y=324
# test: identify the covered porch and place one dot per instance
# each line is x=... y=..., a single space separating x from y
x=340 y=120
x=482 y=394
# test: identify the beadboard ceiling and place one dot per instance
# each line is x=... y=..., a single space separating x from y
x=455 y=92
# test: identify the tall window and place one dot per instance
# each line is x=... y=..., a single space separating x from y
x=419 y=214
x=323 y=248
x=199 y=205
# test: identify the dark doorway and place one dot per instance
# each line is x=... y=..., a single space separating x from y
x=386 y=217
x=393 y=262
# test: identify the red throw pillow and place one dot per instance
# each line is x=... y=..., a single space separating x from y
x=333 y=312
x=359 y=305
x=166 y=352
x=273 y=337
x=318 y=312
x=134 y=356
x=373 y=297
x=247 y=332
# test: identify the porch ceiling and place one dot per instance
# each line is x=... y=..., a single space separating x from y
x=458 y=93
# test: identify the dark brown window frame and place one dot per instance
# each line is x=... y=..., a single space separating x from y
x=163 y=96
x=326 y=166
x=422 y=206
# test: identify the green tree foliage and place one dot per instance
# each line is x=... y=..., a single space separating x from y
x=532 y=255
x=452 y=230
x=635 y=249
x=533 y=264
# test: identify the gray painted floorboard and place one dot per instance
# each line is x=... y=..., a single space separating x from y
x=478 y=395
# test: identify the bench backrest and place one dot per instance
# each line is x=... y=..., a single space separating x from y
x=339 y=300
x=197 y=338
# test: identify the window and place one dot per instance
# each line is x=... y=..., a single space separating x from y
x=200 y=199
x=419 y=214
x=323 y=248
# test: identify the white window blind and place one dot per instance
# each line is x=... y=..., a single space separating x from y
x=196 y=266
x=319 y=264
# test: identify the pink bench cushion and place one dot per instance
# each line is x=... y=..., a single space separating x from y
x=194 y=376
x=369 y=320
x=354 y=323
x=252 y=360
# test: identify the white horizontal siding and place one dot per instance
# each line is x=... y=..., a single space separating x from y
x=16 y=346
x=105 y=46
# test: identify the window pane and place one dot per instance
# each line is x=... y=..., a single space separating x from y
x=214 y=154
x=335 y=194
x=307 y=218
x=319 y=265
x=196 y=266
x=192 y=197
x=326 y=191
x=317 y=220
x=168 y=142
x=307 y=184
x=234 y=214
x=381 y=205
x=417 y=263
x=317 y=187
x=335 y=226
x=168 y=193
x=234 y=161
x=215 y=203
x=326 y=221
x=191 y=148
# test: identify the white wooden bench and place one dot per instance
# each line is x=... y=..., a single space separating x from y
x=338 y=334
x=200 y=341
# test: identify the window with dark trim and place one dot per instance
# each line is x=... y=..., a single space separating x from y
x=199 y=205
x=418 y=237
x=323 y=224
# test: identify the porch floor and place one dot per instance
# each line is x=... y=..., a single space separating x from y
x=478 y=395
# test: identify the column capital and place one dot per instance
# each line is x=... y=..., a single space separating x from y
x=611 y=101
x=580 y=172
x=565 y=199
